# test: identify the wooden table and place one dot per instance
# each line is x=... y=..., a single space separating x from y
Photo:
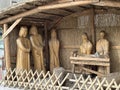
x=82 y=60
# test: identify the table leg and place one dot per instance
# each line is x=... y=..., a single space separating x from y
x=107 y=70
x=73 y=68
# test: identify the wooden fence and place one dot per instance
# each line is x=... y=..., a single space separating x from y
x=41 y=81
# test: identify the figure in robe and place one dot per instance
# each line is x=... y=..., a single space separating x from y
x=37 y=49
x=86 y=46
x=54 y=51
x=23 y=50
x=102 y=48
x=85 y=49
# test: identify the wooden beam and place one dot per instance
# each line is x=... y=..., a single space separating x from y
x=91 y=63
x=47 y=7
x=92 y=71
x=11 y=28
x=7 y=49
x=92 y=29
x=77 y=47
x=68 y=10
x=116 y=47
x=38 y=20
x=47 y=13
x=55 y=23
x=46 y=46
x=83 y=7
x=80 y=13
x=90 y=58
x=28 y=24
x=62 y=1
x=108 y=4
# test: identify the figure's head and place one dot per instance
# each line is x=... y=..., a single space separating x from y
x=53 y=34
x=102 y=34
x=33 y=30
x=84 y=36
x=23 y=31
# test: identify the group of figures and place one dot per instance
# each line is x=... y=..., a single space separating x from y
x=36 y=45
x=102 y=47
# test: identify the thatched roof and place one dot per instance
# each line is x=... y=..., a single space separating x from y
x=53 y=14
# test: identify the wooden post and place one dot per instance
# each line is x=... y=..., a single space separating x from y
x=46 y=46
x=92 y=29
x=7 y=49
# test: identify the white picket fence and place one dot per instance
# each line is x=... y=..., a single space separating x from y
x=41 y=81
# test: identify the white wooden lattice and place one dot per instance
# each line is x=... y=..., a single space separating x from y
x=39 y=80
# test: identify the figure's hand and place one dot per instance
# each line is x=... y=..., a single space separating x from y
x=27 y=50
x=38 y=52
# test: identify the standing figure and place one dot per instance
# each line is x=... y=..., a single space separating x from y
x=54 y=51
x=102 y=47
x=23 y=50
x=37 y=49
x=86 y=46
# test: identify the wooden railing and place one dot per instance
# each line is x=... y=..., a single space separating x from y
x=41 y=81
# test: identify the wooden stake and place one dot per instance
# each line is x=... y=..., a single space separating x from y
x=48 y=7
x=7 y=49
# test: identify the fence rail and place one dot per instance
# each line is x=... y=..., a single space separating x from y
x=45 y=81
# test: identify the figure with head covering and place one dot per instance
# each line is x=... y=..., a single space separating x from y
x=54 y=51
x=102 y=48
x=23 y=50
x=86 y=46
x=37 y=49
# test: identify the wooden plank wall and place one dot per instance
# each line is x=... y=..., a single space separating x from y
x=71 y=28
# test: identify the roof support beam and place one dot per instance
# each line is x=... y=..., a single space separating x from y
x=47 y=13
x=55 y=23
x=48 y=7
x=68 y=10
x=11 y=28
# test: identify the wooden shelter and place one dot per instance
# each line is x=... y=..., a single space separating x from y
x=70 y=18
